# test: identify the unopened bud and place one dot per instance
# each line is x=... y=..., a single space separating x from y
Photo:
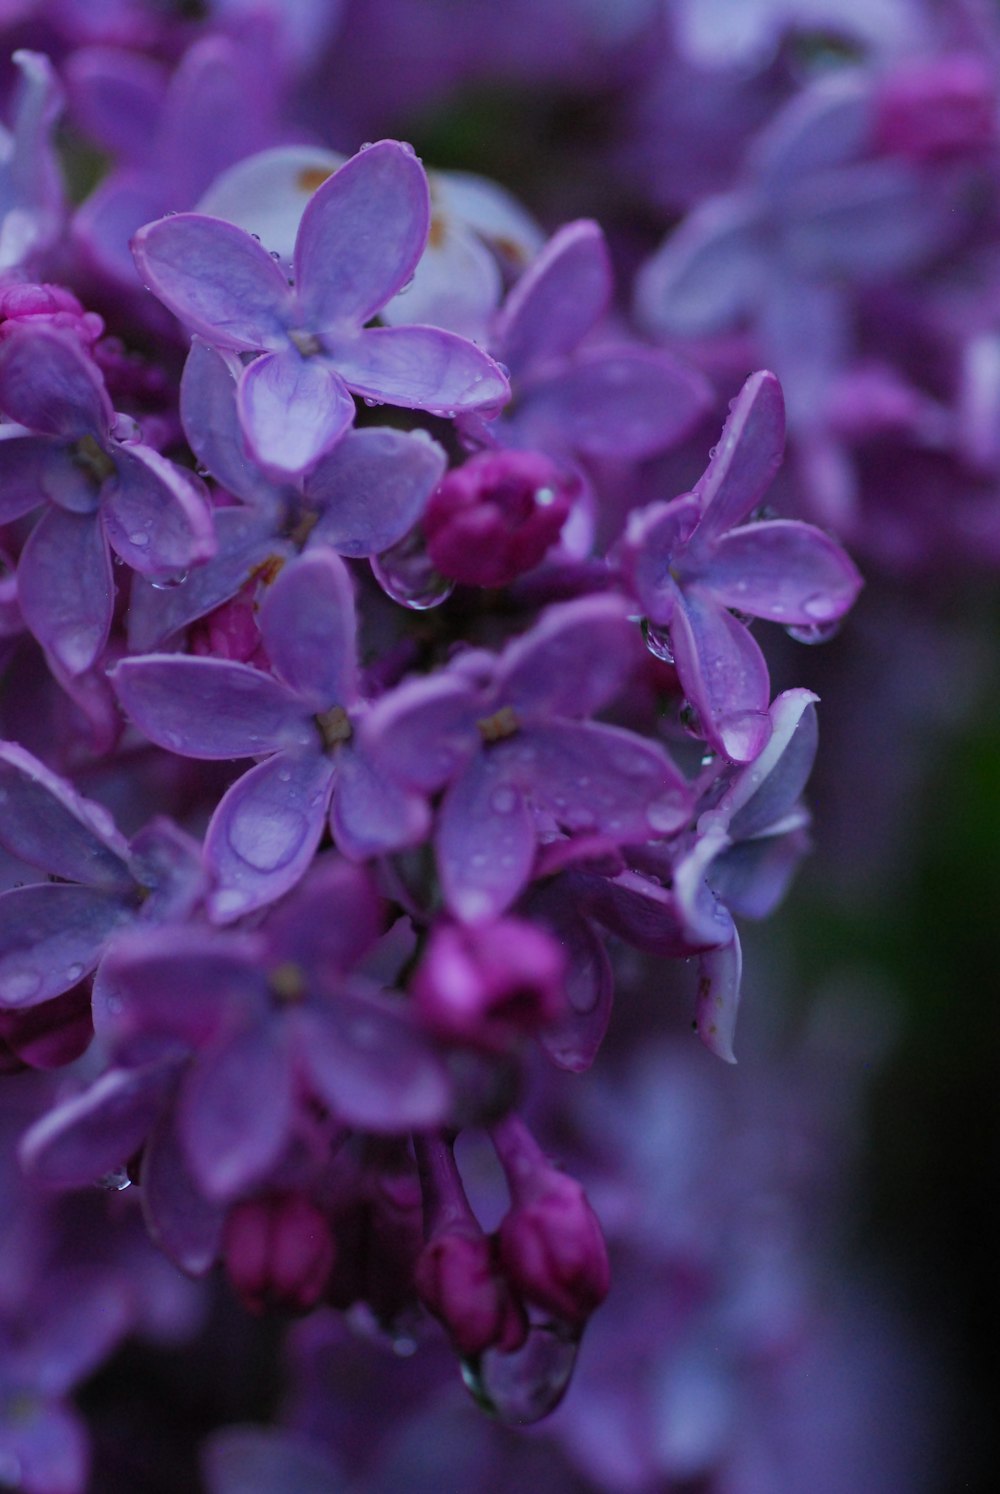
x=486 y=984
x=495 y=516
x=459 y=1281
x=279 y=1252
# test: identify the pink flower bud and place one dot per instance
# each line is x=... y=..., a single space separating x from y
x=279 y=1252
x=51 y=306
x=932 y=109
x=458 y=1280
x=495 y=516
x=487 y=984
x=553 y=1250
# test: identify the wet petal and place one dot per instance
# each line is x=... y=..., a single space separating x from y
x=485 y=842
x=371 y=813
x=558 y=299
x=308 y=625
x=65 y=589
x=572 y=662
x=48 y=384
x=156 y=520
x=83 y=1138
x=211 y=708
x=23 y=463
x=236 y=1109
x=372 y=488
x=361 y=236
x=293 y=410
x=604 y=779
x=628 y=403
x=720 y=971
x=216 y=279
x=371 y=1064
x=654 y=536
x=724 y=677
x=419 y=368
x=573 y=1042
x=748 y=455
x=709 y=274
x=783 y=570
x=106 y=221
x=246 y=539
x=51 y=935
x=424 y=732
x=769 y=788
x=265 y=831
x=212 y=426
x=47 y=823
x=185 y=1225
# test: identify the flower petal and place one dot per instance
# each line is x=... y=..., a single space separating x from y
x=371 y=813
x=708 y=274
x=212 y=426
x=185 y=1225
x=748 y=455
x=236 y=1109
x=48 y=384
x=156 y=520
x=424 y=732
x=293 y=410
x=573 y=661
x=557 y=301
x=724 y=676
x=267 y=193
x=308 y=625
x=51 y=935
x=361 y=236
x=628 y=403
x=783 y=570
x=216 y=279
x=23 y=460
x=371 y=1064
x=720 y=971
x=372 y=488
x=81 y=1139
x=211 y=708
x=65 y=589
x=420 y=368
x=265 y=831
x=47 y=823
x=604 y=779
x=485 y=841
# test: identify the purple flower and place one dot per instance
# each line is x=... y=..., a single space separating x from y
x=52 y=933
x=105 y=493
x=693 y=559
x=360 y=239
x=505 y=736
x=31 y=195
x=571 y=397
x=301 y=721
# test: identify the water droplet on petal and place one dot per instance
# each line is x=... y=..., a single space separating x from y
x=503 y=800
x=74 y=973
x=406 y=574
x=657 y=640
x=19 y=984
x=820 y=608
x=523 y=1387
x=116 y=1181
x=814 y=632
x=167 y=583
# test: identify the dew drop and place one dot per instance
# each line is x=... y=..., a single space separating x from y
x=20 y=984
x=523 y=1387
x=139 y=539
x=73 y=973
x=168 y=583
x=814 y=632
x=405 y=573
x=503 y=800
x=819 y=608
x=115 y=1181
x=657 y=640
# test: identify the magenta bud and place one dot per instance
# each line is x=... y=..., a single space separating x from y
x=552 y=1248
x=929 y=110
x=486 y=984
x=495 y=516
x=279 y=1252
x=458 y=1280
x=231 y=632
x=50 y=306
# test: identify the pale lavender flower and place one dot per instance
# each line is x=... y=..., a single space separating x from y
x=359 y=241
x=693 y=559
x=106 y=491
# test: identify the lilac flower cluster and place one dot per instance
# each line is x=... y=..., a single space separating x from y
x=375 y=690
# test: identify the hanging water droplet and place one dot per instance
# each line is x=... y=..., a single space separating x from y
x=406 y=574
x=168 y=583
x=814 y=632
x=657 y=640
x=115 y=1181
x=523 y=1387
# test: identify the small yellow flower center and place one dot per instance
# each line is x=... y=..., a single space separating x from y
x=334 y=726
x=288 y=982
x=501 y=724
x=91 y=458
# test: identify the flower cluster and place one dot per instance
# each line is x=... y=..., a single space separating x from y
x=380 y=602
